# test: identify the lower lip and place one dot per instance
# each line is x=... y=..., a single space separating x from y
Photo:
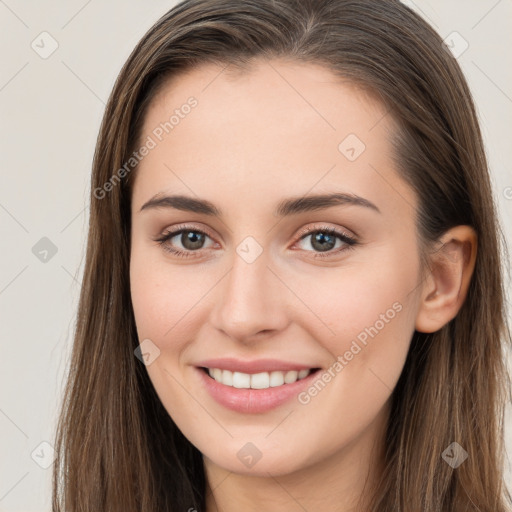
x=253 y=400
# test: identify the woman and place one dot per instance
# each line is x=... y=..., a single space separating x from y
x=292 y=297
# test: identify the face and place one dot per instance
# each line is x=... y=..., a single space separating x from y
x=251 y=276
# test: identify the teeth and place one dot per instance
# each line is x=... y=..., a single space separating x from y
x=304 y=373
x=241 y=380
x=227 y=377
x=261 y=380
x=276 y=379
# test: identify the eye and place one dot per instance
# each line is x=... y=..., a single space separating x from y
x=191 y=239
x=325 y=238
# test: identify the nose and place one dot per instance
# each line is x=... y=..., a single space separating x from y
x=251 y=302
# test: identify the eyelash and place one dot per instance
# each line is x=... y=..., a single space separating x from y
x=346 y=239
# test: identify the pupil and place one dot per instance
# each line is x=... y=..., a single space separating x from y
x=191 y=240
x=323 y=239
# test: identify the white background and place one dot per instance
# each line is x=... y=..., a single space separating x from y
x=50 y=111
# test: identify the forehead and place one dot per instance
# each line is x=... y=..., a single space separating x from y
x=274 y=124
x=308 y=88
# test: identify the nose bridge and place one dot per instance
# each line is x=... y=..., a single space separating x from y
x=251 y=299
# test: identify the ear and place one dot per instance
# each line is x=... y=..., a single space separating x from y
x=447 y=279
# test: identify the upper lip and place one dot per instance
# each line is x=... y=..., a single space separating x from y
x=255 y=366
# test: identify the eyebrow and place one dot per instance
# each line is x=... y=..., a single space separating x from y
x=287 y=207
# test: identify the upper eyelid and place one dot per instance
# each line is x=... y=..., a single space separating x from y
x=174 y=231
x=336 y=230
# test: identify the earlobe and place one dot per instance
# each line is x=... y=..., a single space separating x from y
x=446 y=284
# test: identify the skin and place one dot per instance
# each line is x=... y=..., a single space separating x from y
x=256 y=138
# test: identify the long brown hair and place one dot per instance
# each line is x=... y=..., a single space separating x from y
x=118 y=448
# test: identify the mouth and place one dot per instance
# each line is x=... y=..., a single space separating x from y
x=260 y=380
x=255 y=393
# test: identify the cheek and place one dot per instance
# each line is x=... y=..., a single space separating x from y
x=164 y=298
x=371 y=315
x=370 y=311
x=354 y=301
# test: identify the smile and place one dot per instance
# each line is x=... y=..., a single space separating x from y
x=254 y=392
